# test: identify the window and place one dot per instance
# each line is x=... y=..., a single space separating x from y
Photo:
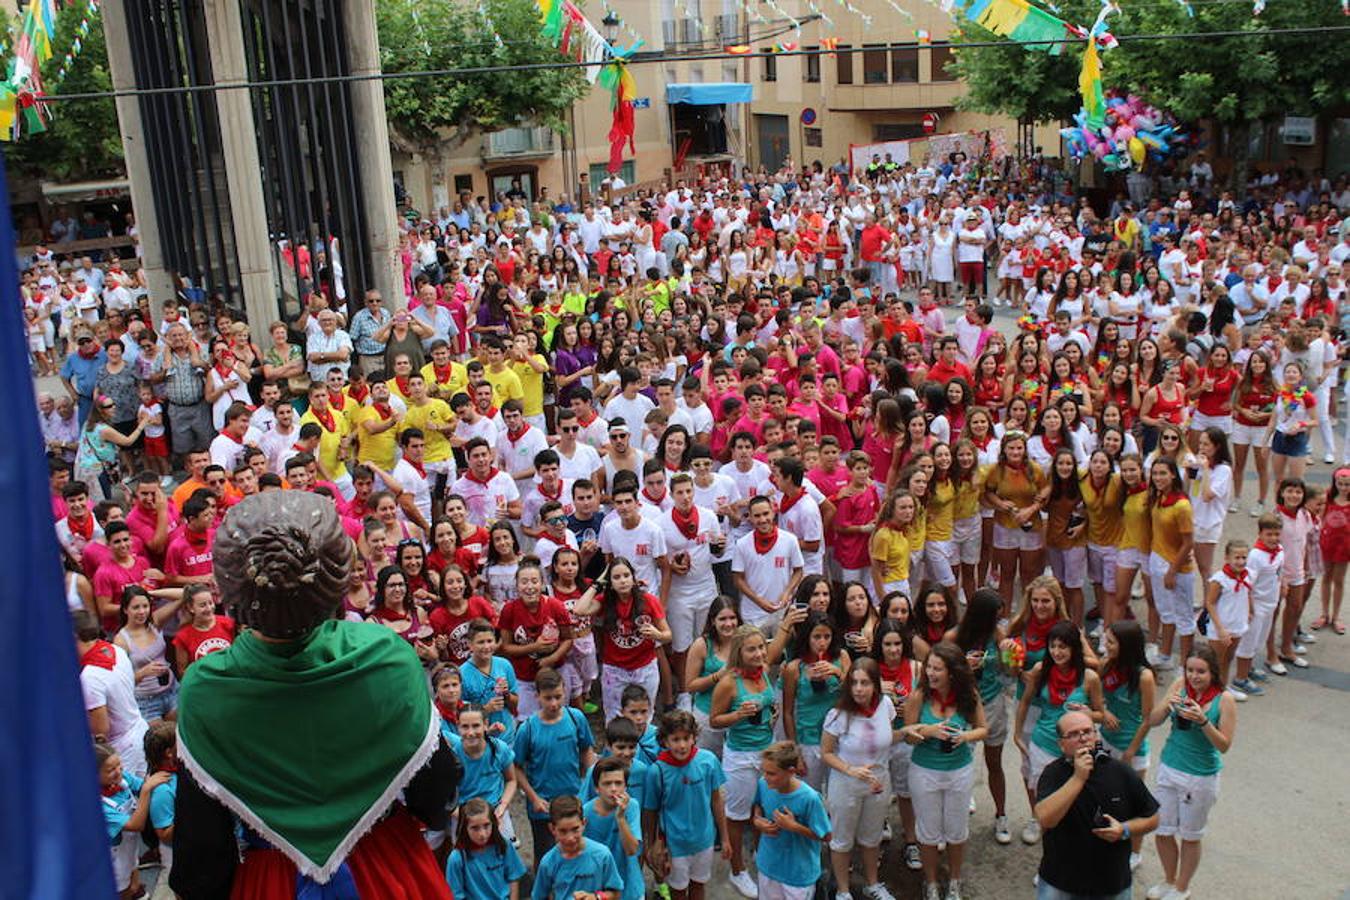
x=731 y=70
x=812 y=65
x=943 y=57
x=815 y=137
x=905 y=65
x=843 y=73
x=463 y=184
x=600 y=171
x=875 y=70
x=896 y=132
x=696 y=73
x=770 y=64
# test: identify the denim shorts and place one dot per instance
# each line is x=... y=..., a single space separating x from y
x=157 y=706
x=1294 y=445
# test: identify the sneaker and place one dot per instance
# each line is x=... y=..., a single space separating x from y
x=1328 y=458
x=912 y=857
x=954 y=889
x=1277 y=668
x=1259 y=675
x=744 y=884
x=931 y=892
x=1032 y=833
x=885 y=832
x=1136 y=859
x=1248 y=687
x=1299 y=662
x=1177 y=895
x=1306 y=637
x=1001 y=833
x=972 y=805
x=1238 y=695
x=1256 y=510
x=878 y=891
x=1233 y=507
x=1159 y=891
x=663 y=891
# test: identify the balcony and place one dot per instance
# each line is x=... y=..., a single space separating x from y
x=519 y=143
x=928 y=95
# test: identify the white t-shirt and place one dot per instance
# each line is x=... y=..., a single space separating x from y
x=1209 y=514
x=411 y=481
x=968 y=252
x=722 y=491
x=518 y=456
x=747 y=484
x=804 y=521
x=581 y=464
x=115 y=689
x=535 y=500
x=698 y=586
x=863 y=740
x=768 y=574
x=483 y=498
x=634 y=412
x=641 y=545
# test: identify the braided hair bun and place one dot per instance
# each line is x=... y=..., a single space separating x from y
x=281 y=560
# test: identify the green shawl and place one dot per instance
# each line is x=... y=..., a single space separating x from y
x=308 y=742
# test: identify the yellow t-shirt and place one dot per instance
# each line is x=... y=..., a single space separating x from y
x=941 y=511
x=968 y=497
x=373 y=448
x=917 y=532
x=330 y=442
x=1057 y=514
x=1171 y=524
x=505 y=386
x=532 y=383
x=444 y=390
x=890 y=553
x=438 y=411
x=1018 y=486
x=1136 y=525
x=1105 y=523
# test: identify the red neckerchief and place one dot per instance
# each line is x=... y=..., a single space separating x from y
x=1204 y=699
x=765 y=542
x=586 y=422
x=545 y=536
x=674 y=468
x=88 y=354
x=1239 y=578
x=442 y=373
x=1052 y=445
x=1060 y=683
x=101 y=654
x=196 y=539
x=751 y=674
x=237 y=440
x=325 y=419
x=492 y=473
x=1037 y=632
x=113 y=790
x=402 y=382
x=669 y=759
x=1114 y=679
x=1171 y=499
x=449 y=713
x=902 y=676
x=1286 y=511
x=300 y=448
x=655 y=501
x=871 y=709
x=385 y=411
x=418 y=467
x=1137 y=489
x=788 y=503
x=1269 y=551
x=225 y=369
x=490 y=412
x=359 y=392
x=336 y=399
x=945 y=699
x=553 y=496
x=687 y=523
x=516 y=435
x=982 y=444
x=934 y=636
x=83 y=528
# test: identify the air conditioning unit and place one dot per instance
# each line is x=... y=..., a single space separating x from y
x=1299 y=131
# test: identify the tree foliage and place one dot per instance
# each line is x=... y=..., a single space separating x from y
x=417 y=35
x=82 y=140
x=1232 y=80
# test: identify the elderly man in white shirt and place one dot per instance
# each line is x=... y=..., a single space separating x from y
x=329 y=348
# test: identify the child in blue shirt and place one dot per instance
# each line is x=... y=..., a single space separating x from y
x=553 y=747
x=483 y=864
x=447 y=687
x=621 y=742
x=636 y=707
x=126 y=809
x=680 y=789
x=489 y=768
x=792 y=822
x=614 y=819
x=577 y=868
x=489 y=680
x=161 y=755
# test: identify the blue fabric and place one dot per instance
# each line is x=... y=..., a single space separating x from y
x=161 y=803
x=591 y=870
x=49 y=778
x=710 y=94
x=342 y=886
x=479 y=689
x=485 y=874
x=550 y=753
x=605 y=830
x=683 y=794
x=485 y=776
x=789 y=858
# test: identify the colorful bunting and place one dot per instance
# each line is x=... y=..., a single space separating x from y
x=831 y=44
x=923 y=36
x=1017 y=20
x=737 y=49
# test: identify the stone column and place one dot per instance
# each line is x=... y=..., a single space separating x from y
x=372 y=154
x=157 y=274
x=239 y=151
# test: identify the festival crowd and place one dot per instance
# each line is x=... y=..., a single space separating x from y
x=721 y=469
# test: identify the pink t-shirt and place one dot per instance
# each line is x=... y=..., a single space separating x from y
x=188 y=558
x=836 y=427
x=142 y=525
x=851 y=549
x=829 y=482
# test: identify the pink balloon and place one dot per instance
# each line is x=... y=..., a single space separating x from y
x=1123 y=134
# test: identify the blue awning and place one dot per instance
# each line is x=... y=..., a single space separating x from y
x=709 y=94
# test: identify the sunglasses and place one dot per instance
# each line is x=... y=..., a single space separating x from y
x=570 y=429
x=555 y=520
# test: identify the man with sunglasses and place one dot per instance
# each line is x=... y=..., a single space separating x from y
x=367 y=321
x=79 y=372
x=575 y=459
x=1090 y=806
x=622 y=456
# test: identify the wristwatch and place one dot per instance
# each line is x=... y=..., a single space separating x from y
x=1124 y=831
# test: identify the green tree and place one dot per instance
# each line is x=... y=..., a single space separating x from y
x=1010 y=80
x=82 y=140
x=418 y=35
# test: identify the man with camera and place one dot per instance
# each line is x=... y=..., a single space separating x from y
x=1089 y=808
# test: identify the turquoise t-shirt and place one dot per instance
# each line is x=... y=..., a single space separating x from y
x=789 y=858
x=930 y=755
x=550 y=753
x=990 y=683
x=637 y=776
x=711 y=663
x=1127 y=706
x=605 y=830
x=479 y=689
x=683 y=794
x=118 y=809
x=591 y=870
x=161 y=803
x=485 y=873
x=1045 y=734
x=754 y=733
x=1187 y=749
x=814 y=700
x=648 y=745
x=485 y=776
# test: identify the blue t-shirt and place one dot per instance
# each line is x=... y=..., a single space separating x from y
x=591 y=870
x=118 y=809
x=637 y=776
x=485 y=873
x=550 y=753
x=648 y=746
x=605 y=830
x=485 y=776
x=161 y=803
x=683 y=794
x=789 y=858
x=479 y=689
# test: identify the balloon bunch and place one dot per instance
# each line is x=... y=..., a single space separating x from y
x=1131 y=132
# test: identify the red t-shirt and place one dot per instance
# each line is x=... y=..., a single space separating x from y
x=625 y=647
x=1218 y=402
x=869 y=246
x=526 y=627
x=456 y=627
x=943 y=373
x=197 y=643
x=1257 y=397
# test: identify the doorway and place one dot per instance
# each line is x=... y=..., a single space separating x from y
x=773 y=140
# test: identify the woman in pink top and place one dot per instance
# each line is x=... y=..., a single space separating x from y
x=880 y=437
x=854 y=518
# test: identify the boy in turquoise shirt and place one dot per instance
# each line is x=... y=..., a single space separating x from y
x=614 y=819
x=792 y=822
x=577 y=868
x=489 y=680
x=553 y=747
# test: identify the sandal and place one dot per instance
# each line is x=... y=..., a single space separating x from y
x=1319 y=623
x=1338 y=626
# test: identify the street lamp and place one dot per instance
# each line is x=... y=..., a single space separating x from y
x=611 y=23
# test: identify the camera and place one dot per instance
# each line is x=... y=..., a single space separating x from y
x=1100 y=754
